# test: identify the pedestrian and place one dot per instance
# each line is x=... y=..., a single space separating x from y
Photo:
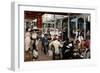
x=56 y=45
x=45 y=43
x=34 y=35
x=27 y=39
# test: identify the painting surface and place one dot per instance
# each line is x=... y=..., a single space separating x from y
x=56 y=36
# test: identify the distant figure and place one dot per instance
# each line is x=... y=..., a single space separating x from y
x=64 y=33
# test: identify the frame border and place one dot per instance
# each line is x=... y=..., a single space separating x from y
x=15 y=32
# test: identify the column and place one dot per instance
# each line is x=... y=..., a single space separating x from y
x=84 y=27
x=76 y=25
x=39 y=21
x=55 y=23
x=68 y=27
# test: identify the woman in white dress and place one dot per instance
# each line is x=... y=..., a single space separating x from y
x=27 y=40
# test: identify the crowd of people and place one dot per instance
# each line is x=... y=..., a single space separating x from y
x=57 y=48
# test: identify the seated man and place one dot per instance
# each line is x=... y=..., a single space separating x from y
x=67 y=50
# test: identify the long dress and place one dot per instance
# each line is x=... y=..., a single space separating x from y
x=27 y=41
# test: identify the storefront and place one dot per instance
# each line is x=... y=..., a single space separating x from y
x=69 y=24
